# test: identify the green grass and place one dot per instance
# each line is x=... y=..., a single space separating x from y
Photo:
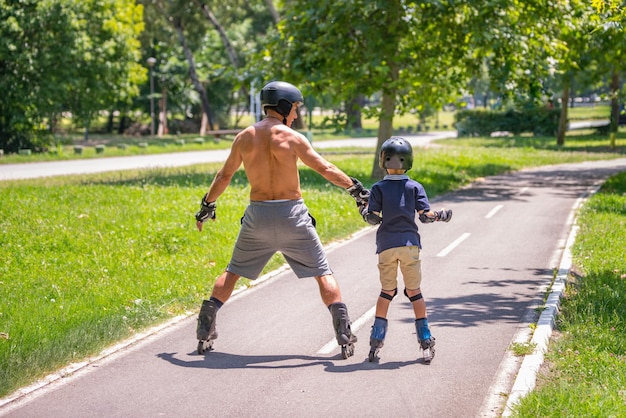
x=120 y=145
x=586 y=373
x=90 y=260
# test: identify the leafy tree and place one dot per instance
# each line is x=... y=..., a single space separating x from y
x=419 y=55
x=219 y=37
x=64 y=56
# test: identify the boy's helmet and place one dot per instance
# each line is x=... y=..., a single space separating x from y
x=281 y=96
x=396 y=153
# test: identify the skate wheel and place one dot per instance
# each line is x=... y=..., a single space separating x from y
x=428 y=355
x=204 y=346
x=347 y=350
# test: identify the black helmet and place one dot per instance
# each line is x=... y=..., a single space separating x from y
x=396 y=153
x=281 y=96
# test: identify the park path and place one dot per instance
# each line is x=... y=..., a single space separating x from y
x=485 y=272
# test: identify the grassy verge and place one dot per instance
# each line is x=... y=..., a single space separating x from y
x=90 y=260
x=119 y=145
x=586 y=365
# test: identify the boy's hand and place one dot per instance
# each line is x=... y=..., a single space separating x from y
x=443 y=215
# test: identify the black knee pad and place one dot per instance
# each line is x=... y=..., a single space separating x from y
x=389 y=297
x=413 y=298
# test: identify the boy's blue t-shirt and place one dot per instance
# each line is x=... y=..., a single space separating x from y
x=398 y=198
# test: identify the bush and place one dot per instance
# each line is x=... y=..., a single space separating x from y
x=538 y=121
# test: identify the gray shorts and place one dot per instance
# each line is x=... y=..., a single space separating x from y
x=278 y=226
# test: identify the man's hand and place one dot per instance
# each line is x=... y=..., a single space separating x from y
x=360 y=194
x=207 y=211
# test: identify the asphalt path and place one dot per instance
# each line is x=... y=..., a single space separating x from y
x=484 y=272
x=178 y=159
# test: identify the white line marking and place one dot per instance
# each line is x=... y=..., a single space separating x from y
x=332 y=345
x=493 y=211
x=452 y=246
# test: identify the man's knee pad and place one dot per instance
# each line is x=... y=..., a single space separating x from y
x=389 y=297
x=379 y=329
x=413 y=298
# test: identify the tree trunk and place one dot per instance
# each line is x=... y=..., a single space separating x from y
x=163 y=114
x=353 y=113
x=560 y=138
x=615 y=88
x=122 y=125
x=109 y=128
x=206 y=107
x=230 y=50
x=273 y=12
x=385 y=122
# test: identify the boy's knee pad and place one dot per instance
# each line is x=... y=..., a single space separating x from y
x=413 y=298
x=387 y=296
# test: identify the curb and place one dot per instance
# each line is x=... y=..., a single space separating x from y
x=526 y=378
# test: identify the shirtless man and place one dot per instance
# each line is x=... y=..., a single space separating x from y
x=276 y=218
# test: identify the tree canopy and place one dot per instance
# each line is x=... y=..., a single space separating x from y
x=64 y=56
x=380 y=57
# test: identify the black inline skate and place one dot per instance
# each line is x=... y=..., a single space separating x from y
x=343 y=332
x=206 y=326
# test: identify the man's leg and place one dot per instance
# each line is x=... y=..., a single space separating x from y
x=224 y=286
x=329 y=289
x=205 y=331
x=331 y=296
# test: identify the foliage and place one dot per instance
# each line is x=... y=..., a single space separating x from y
x=224 y=72
x=64 y=56
x=538 y=121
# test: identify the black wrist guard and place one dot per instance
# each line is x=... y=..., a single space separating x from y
x=360 y=194
x=207 y=210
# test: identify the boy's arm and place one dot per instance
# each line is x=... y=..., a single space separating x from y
x=370 y=216
x=438 y=215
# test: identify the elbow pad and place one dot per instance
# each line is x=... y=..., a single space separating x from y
x=372 y=218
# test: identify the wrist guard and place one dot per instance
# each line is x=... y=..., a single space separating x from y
x=207 y=210
x=360 y=194
x=426 y=218
x=443 y=215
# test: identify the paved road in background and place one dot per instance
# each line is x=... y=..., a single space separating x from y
x=484 y=273
x=99 y=165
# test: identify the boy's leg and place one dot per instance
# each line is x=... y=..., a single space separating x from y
x=379 y=329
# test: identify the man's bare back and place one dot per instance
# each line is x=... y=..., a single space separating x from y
x=269 y=151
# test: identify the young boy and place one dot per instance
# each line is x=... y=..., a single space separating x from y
x=393 y=204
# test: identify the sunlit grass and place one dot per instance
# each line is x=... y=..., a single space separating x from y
x=89 y=260
x=587 y=364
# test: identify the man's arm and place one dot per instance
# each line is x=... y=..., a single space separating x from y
x=326 y=169
x=332 y=173
x=219 y=184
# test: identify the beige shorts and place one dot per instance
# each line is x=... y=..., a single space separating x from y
x=408 y=258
